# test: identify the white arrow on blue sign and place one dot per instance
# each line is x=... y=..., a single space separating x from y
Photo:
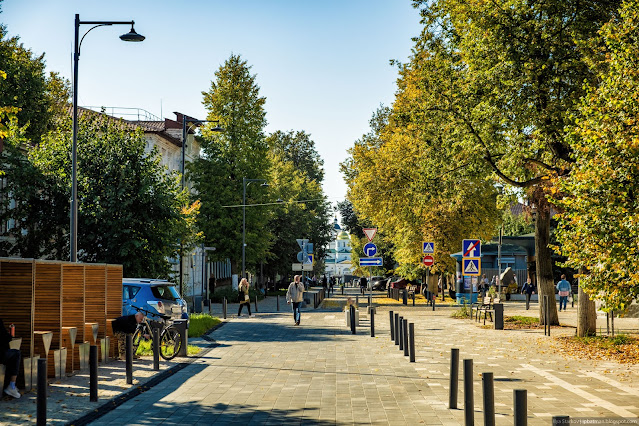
x=370 y=261
x=370 y=249
x=471 y=248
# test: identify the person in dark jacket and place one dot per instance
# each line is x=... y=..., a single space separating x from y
x=363 y=284
x=126 y=325
x=11 y=359
x=528 y=289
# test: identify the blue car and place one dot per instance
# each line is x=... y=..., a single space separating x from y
x=157 y=296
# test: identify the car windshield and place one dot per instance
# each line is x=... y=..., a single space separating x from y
x=167 y=292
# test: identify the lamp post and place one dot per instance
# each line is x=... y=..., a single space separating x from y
x=185 y=129
x=130 y=36
x=245 y=183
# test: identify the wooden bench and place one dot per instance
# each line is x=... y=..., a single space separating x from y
x=489 y=310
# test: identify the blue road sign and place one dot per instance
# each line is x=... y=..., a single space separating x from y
x=309 y=259
x=370 y=261
x=471 y=266
x=370 y=249
x=428 y=247
x=300 y=257
x=302 y=242
x=471 y=248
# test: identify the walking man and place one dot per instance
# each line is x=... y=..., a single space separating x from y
x=563 y=287
x=11 y=359
x=295 y=295
x=528 y=289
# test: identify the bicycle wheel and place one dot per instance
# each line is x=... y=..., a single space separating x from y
x=170 y=343
x=137 y=338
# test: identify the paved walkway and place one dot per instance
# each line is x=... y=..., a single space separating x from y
x=265 y=370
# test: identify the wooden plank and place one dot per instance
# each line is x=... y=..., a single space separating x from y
x=73 y=306
x=95 y=297
x=47 y=307
x=16 y=303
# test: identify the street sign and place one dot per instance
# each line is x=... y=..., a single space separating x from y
x=471 y=266
x=309 y=259
x=471 y=248
x=370 y=249
x=302 y=242
x=370 y=233
x=370 y=261
x=300 y=256
x=429 y=260
x=428 y=247
x=302 y=267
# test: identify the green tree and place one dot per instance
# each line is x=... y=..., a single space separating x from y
x=239 y=152
x=600 y=223
x=297 y=173
x=129 y=208
x=493 y=85
x=25 y=86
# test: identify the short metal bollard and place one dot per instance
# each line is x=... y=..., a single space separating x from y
x=352 y=313
x=224 y=307
x=93 y=373
x=182 y=328
x=454 y=378
x=357 y=300
x=469 y=400
x=546 y=313
x=401 y=333
x=129 y=359
x=434 y=299
x=488 y=388
x=560 y=420
x=42 y=392
x=413 y=298
x=499 y=315
x=396 y=329
x=277 y=297
x=405 y=326
x=372 y=322
x=521 y=407
x=156 y=348
x=392 y=325
x=411 y=341
x=405 y=297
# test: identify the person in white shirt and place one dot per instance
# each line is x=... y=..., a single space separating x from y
x=295 y=295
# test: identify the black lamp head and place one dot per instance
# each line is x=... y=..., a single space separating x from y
x=132 y=35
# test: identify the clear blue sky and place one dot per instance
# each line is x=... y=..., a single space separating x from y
x=323 y=66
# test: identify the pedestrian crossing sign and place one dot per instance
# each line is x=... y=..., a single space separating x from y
x=471 y=266
x=428 y=247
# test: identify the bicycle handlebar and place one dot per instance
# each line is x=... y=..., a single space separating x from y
x=155 y=314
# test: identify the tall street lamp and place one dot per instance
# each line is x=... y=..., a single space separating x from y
x=185 y=129
x=245 y=183
x=130 y=36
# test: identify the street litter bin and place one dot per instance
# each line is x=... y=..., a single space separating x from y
x=499 y=316
x=181 y=325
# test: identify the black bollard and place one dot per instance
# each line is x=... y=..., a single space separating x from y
x=489 y=398
x=277 y=297
x=370 y=300
x=469 y=402
x=392 y=325
x=156 y=348
x=405 y=297
x=255 y=303
x=560 y=420
x=498 y=308
x=372 y=322
x=521 y=407
x=401 y=333
x=224 y=307
x=42 y=392
x=352 y=312
x=396 y=324
x=413 y=298
x=434 y=301
x=129 y=359
x=405 y=327
x=93 y=373
x=342 y=287
x=357 y=299
x=454 y=378
x=411 y=330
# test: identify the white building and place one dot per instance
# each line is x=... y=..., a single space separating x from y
x=338 y=254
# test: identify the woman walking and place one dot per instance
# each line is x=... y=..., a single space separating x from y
x=243 y=290
x=295 y=294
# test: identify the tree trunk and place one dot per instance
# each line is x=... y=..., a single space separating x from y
x=545 y=284
x=586 y=315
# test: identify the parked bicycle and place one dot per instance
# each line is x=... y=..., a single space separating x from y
x=170 y=337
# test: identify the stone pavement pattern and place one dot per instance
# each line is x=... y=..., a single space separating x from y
x=267 y=371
